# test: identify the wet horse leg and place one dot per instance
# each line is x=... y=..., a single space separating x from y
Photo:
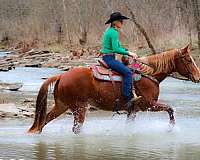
x=132 y=113
x=156 y=107
x=79 y=116
x=56 y=111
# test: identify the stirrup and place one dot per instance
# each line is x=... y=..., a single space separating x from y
x=135 y=98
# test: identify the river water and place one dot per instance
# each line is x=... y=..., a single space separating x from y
x=4 y=54
x=104 y=137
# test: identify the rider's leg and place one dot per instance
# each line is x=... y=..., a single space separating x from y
x=127 y=80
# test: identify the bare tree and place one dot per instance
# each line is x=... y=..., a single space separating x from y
x=158 y=23
x=142 y=30
x=83 y=21
x=184 y=11
x=197 y=18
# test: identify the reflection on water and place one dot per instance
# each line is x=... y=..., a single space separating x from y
x=103 y=137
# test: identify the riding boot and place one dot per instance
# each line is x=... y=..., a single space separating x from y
x=129 y=106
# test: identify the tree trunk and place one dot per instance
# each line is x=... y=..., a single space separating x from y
x=196 y=17
x=188 y=24
x=60 y=33
x=84 y=22
x=184 y=13
x=83 y=39
x=141 y=29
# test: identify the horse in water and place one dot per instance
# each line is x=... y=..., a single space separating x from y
x=77 y=87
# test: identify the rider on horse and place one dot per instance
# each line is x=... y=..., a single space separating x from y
x=110 y=46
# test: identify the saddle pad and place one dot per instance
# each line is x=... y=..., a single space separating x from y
x=103 y=74
x=136 y=76
x=105 y=71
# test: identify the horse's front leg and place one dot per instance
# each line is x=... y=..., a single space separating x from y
x=156 y=107
x=79 y=116
x=131 y=115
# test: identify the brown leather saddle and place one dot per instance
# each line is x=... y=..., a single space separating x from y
x=102 y=72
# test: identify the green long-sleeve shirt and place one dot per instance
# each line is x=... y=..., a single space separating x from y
x=111 y=43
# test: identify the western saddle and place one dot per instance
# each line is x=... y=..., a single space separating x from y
x=102 y=72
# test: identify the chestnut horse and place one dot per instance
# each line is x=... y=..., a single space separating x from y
x=77 y=87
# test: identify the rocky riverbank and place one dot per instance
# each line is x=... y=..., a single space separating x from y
x=44 y=58
x=16 y=105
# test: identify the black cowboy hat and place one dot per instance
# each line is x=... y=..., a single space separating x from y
x=116 y=16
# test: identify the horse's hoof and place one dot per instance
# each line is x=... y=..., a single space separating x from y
x=172 y=122
x=131 y=118
x=76 y=129
x=33 y=132
x=171 y=125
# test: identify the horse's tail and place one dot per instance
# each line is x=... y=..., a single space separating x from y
x=41 y=105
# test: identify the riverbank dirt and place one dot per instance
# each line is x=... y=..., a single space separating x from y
x=16 y=104
x=45 y=58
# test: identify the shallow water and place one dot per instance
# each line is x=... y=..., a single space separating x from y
x=30 y=77
x=104 y=137
x=4 y=54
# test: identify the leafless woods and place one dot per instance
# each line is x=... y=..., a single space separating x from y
x=166 y=22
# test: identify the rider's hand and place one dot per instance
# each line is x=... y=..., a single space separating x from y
x=133 y=55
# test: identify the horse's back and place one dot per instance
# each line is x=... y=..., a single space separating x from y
x=79 y=85
x=76 y=84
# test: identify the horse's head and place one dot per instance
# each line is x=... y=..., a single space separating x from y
x=185 y=65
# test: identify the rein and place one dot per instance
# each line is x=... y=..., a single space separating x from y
x=145 y=75
x=144 y=63
x=179 y=78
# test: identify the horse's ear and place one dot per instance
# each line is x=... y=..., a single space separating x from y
x=186 y=49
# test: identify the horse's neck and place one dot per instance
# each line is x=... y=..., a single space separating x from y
x=160 y=77
x=160 y=66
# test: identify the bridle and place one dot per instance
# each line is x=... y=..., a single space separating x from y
x=186 y=64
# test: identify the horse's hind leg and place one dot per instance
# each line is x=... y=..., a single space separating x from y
x=164 y=107
x=56 y=111
x=79 y=112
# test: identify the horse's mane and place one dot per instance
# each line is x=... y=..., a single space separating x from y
x=162 y=62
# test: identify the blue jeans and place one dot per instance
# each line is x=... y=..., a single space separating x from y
x=119 y=67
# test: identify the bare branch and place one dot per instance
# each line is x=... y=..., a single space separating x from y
x=142 y=30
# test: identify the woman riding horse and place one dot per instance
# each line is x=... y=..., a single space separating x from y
x=110 y=46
